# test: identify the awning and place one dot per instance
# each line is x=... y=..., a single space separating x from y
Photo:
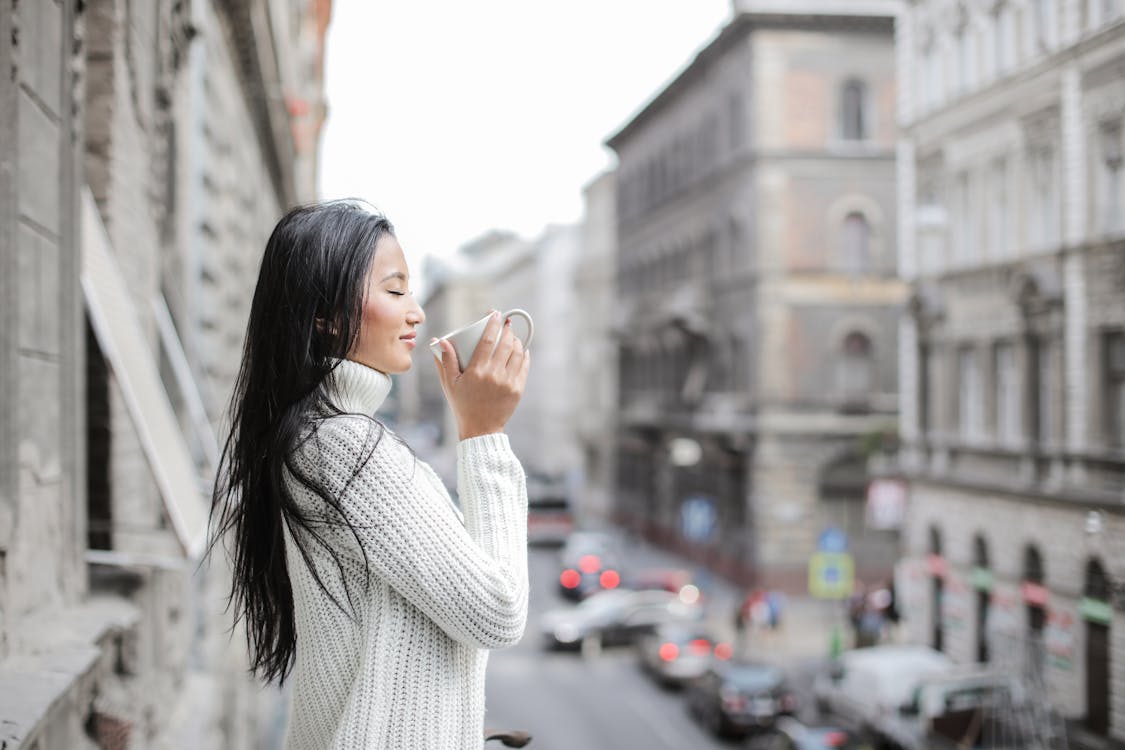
x=115 y=323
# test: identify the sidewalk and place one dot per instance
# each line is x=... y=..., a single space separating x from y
x=806 y=626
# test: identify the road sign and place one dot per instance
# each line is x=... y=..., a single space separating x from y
x=832 y=540
x=831 y=575
x=697 y=518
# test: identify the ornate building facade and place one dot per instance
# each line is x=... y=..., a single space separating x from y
x=757 y=294
x=1012 y=238
x=146 y=150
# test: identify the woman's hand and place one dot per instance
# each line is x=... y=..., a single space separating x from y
x=485 y=395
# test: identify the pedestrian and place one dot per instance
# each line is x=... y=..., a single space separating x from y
x=355 y=574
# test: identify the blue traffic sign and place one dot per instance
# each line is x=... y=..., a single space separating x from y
x=832 y=540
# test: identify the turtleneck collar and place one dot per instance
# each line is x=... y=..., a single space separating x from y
x=359 y=389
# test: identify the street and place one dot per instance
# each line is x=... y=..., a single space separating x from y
x=570 y=702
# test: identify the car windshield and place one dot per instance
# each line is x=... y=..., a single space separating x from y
x=751 y=677
x=821 y=738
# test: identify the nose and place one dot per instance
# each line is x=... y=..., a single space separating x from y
x=416 y=316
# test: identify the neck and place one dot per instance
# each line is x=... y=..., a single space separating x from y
x=358 y=389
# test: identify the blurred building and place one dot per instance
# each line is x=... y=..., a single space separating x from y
x=757 y=296
x=594 y=366
x=500 y=270
x=1012 y=211
x=147 y=149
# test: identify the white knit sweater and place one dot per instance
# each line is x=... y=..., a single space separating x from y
x=406 y=670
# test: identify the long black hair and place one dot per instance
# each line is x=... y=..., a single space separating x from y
x=304 y=318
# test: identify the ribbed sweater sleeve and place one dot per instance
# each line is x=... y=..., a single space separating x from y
x=470 y=578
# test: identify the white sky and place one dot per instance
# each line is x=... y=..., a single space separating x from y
x=458 y=116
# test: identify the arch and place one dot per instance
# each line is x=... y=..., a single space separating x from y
x=849 y=324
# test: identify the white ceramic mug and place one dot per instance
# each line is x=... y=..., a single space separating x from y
x=465 y=338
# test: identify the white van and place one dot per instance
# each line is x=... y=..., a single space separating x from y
x=867 y=687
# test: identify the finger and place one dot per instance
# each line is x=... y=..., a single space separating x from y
x=525 y=368
x=504 y=348
x=515 y=359
x=487 y=341
x=450 y=368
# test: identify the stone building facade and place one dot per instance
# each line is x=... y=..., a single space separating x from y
x=146 y=150
x=594 y=366
x=756 y=292
x=1012 y=238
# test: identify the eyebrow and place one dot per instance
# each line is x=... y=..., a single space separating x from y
x=394 y=275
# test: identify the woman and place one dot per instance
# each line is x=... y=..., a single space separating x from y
x=353 y=569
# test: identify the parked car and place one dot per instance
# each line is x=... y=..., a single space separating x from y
x=954 y=709
x=676 y=580
x=675 y=654
x=614 y=618
x=590 y=562
x=866 y=687
x=790 y=734
x=734 y=698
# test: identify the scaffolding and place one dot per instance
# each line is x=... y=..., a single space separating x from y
x=1024 y=718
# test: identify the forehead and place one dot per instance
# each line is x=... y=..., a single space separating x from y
x=389 y=258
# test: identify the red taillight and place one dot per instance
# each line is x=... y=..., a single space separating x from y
x=700 y=646
x=610 y=579
x=570 y=579
x=835 y=739
x=589 y=563
x=669 y=651
x=723 y=651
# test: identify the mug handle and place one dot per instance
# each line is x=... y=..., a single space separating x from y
x=518 y=313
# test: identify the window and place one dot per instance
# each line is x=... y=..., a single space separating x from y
x=1111 y=197
x=1114 y=376
x=1007 y=397
x=1044 y=25
x=1045 y=381
x=736 y=121
x=1044 y=209
x=962 y=51
x=855 y=244
x=1002 y=32
x=856 y=368
x=853 y=120
x=998 y=210
x=963 y=249
x=924 y=415
x=970 y=407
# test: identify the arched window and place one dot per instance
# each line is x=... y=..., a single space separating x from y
x=853 y=115
x=980 y=552
x=855 y=244
x=982 y=584
x=1097 y=611
x=937 y=591
x=856 y=368
x=1033 y=577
